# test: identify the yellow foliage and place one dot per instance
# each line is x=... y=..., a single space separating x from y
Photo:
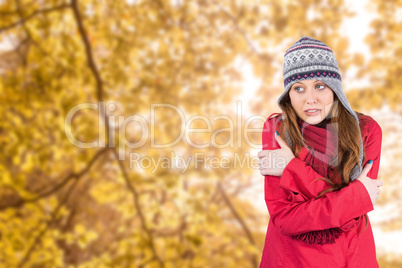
x=85 y=207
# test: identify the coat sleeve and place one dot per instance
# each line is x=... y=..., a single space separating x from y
x=297 y=175
x=291 y=209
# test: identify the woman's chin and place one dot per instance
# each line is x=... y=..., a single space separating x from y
x=314 y=120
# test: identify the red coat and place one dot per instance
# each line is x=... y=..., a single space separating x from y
x=293 y=210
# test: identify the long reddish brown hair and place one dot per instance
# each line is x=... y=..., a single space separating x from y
x=344 y=126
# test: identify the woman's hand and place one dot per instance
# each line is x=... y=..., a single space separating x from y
x=372 y=186
x=273 y=162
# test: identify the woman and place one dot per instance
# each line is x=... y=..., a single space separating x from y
x=317 y=192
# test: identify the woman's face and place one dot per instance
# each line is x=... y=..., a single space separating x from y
x=312 y=100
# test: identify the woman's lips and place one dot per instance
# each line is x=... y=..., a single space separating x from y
x=307 y=112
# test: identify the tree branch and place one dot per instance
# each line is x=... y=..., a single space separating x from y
x=47 y=227
x=134 y=192
x=27 y=31
x=239 y=219
x=32 y=15
x=92 y=65
x=88 y=50
x=60 y=185
x=238 y=28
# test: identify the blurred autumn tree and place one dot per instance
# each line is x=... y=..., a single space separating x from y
x=66 y=206
x=383 y=69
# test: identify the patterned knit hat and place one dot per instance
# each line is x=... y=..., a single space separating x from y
x=309 y=58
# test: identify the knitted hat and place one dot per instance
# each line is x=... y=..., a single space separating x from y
x=309 y=58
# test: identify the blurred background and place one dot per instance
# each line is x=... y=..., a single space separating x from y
x=130 y=129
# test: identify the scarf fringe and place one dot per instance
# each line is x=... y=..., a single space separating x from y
x=327 y=236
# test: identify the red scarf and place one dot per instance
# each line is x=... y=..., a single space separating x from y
x=320 y=146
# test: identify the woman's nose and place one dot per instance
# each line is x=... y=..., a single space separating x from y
x=311 y=97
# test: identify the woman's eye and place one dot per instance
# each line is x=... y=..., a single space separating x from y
x=320 y=86
x=298 y=89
